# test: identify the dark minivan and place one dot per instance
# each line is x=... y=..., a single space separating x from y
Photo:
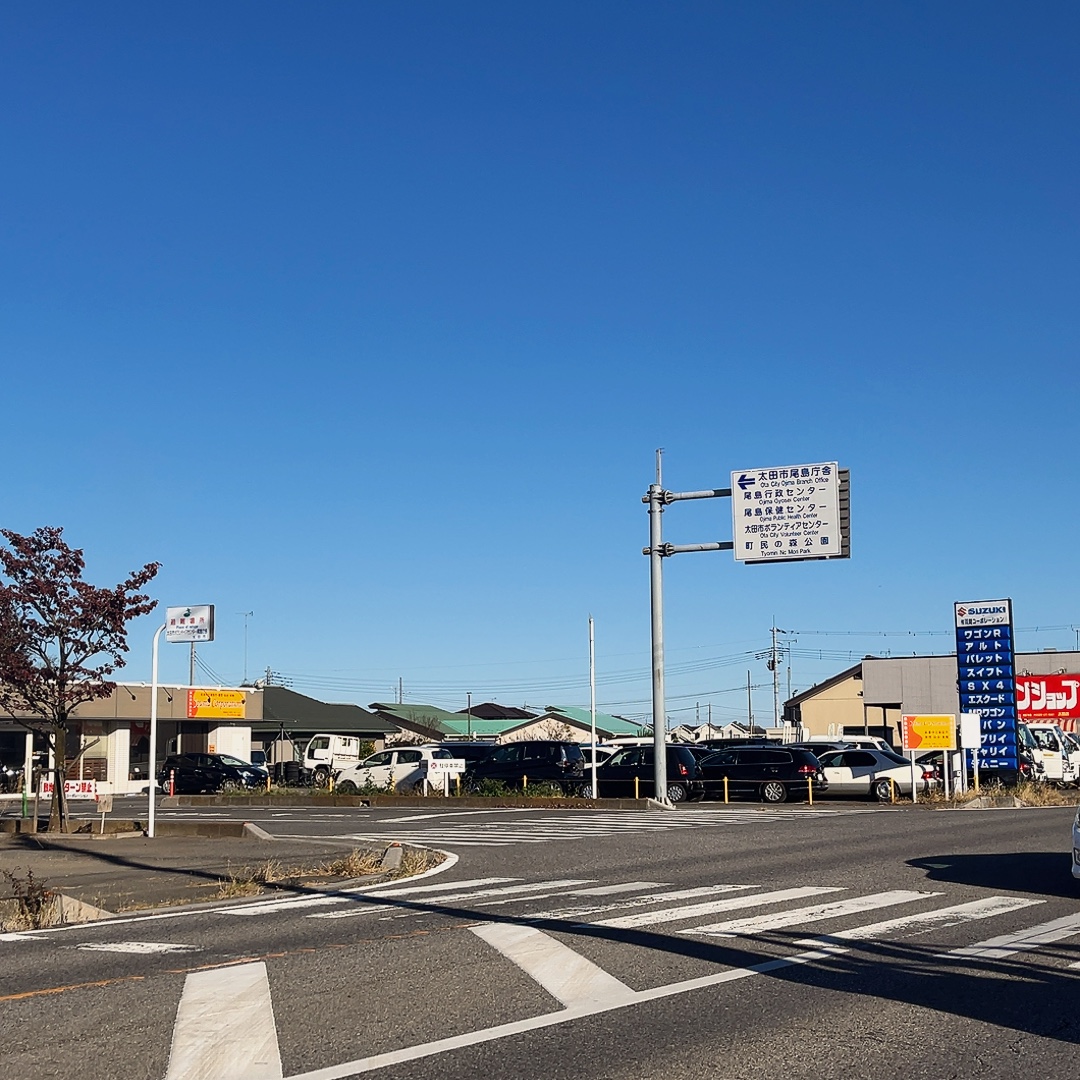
x=771 y=773
x=528 y=762
x=193 y=773
x=615 y=778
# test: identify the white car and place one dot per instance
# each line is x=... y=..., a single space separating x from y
x=401 y=769
x=863 y=771
x=1076 y=846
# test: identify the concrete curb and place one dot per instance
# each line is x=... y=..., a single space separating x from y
x=468 y=802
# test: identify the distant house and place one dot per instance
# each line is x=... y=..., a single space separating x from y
x=490 y=710
x=555 y=722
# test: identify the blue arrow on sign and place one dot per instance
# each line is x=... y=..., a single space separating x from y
x=745 y=481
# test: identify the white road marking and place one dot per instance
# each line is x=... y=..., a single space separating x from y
x=636 y=901
x=928 y=920
x=692 y=911
x=798 y=916
x=137 y=947
x=826 y=948
x=225 y=1027
x=517 y=891
x=566 y=975
x=1024 y=941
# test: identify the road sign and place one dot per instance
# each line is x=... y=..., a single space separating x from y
x=445 y=767
x=928 y=732
x=192 y=623
x=788 y=512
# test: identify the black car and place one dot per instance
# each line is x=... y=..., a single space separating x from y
x=771 y=773
x=528 y=762
x=190 y=774
x=615 y=778
x=468 y=751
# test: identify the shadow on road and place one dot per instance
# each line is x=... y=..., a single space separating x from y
x=1044 y=873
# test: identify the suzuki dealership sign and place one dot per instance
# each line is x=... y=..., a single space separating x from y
x=788 y=512
x=985 y=668
x=190 y=623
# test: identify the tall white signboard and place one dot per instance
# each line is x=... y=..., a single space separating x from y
x=786 y=512
x=192 y=623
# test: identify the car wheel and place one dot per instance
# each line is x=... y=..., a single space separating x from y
x=347 y=787
x=321 y=778
x=586 y=791
x=772 y=791
x=676 y=793
x=882 y=790
x=229 y=787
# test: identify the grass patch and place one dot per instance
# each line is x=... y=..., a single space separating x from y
x=33 y=904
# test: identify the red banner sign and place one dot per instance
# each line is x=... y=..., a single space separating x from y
x=1048 y=698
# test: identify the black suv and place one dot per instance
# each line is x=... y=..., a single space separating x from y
x=771 y=773
x=195 y=773
x=615 y=778
x=529 y=761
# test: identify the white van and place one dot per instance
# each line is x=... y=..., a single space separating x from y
x=327 y=755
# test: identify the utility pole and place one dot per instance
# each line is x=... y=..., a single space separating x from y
x=749 y=704
x=774 y=667
x=191 y=667
x=468 y=710
x=247 y=615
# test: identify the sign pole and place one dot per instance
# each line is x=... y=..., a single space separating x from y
x=656 y=594
x=152 y=763
x=914 y=783
x=592 y=707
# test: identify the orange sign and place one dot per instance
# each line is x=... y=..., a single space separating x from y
x=218 y=704
x=934 y=732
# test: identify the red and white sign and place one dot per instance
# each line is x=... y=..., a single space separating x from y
x=1049 y=697
x=73 y=789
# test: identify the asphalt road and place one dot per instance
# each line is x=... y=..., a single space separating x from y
x=759 y=943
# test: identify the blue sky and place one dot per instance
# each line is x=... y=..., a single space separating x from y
x=368 y=318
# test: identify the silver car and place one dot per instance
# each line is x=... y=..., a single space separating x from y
x=877 y=773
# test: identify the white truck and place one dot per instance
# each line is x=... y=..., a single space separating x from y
x=1059 y=755
x=326 y=756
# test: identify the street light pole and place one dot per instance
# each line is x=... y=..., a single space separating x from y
x=152 y=764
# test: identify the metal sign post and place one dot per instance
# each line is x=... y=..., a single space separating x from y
x=783 y=514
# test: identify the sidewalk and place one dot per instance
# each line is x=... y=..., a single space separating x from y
x=129 y=871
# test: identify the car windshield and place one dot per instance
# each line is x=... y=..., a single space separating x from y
x=228 y=759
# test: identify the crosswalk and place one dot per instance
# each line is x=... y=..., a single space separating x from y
x=503 y=832
x=550 y=929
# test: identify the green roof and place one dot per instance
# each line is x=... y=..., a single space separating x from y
x=610 y=725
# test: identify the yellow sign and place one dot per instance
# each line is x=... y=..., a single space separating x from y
x=935 y=732
x=220 y=704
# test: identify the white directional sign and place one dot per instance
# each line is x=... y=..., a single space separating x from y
x=786 y=512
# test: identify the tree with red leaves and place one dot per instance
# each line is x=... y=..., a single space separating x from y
x=60 y=638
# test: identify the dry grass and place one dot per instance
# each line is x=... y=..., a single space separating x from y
x=1029 y=793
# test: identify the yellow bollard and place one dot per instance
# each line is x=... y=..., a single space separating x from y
x=524 y=783
x=330 y=784
x=725 y=789
x=892 y=790
x=457 y=778
x=637 y=792
x=267 y=783
x=810 y=789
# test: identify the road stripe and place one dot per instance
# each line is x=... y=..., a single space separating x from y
x=517 y=891
x=924 y=921
x=814 y=913
x=136 y=947
x=692 y=911
x=1024 y=941
x=637 y=901
x=225 y=1027
x=566 y=975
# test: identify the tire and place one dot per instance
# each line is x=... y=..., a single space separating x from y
x=229 y=787
x=320 y=778
x=773 y=791
x=347 y=787
x=586 y=791
x=881 y=790
x=676 y=793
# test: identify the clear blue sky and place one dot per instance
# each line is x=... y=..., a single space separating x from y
x=368 y=318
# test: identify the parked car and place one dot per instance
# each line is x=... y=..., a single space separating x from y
x=615 y=778
x=192 y=774
x=868 y=772
x=400 y=768
x=470 y=751
x=601 y=753
x=772 y=773
x=258 y=761
x=819 y=748
x=530 y=761
x=866 y=742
